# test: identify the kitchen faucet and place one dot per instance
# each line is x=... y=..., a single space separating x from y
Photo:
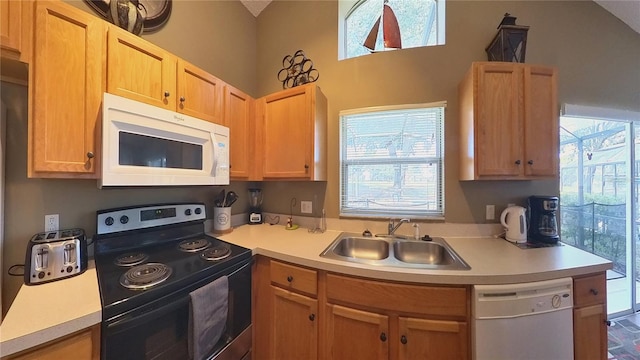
x=393 y=227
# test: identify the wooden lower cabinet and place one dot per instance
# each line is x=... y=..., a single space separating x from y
x=432 y=339
x=295 y=327
x=356 y=334
x=83 y=345
x=590 y=317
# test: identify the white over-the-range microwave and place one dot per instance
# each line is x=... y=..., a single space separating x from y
x=144 y=145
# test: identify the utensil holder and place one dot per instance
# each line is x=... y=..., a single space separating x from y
x=221 y=219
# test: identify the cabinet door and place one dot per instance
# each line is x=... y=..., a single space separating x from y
x=84 y=345
x=356 y=334
x=295 y=326
x=67 y=86
x=238 y=116
x=139 y=70
x=497 y=120
x=287 y=134
x=10 y=28
x=541 y=121
x=200 y=94
x=432 y=339
x=590 y=333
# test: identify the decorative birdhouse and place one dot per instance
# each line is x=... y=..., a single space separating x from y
x=510 y=43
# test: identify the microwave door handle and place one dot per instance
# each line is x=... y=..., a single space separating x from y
x=214 y=148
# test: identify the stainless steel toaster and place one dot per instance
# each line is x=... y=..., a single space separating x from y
x=55 y=255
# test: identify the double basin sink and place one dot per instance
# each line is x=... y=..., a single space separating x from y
x=395 y=251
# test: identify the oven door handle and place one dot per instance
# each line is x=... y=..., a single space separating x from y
x=133 y=321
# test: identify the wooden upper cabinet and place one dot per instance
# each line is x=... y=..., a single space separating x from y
x=294 y=130
x=15 y=29
x=140 y=71
x=66 y=92
x=239 y=118
x=509 y=122
x=200 y=94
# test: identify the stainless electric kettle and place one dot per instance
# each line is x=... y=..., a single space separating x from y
x=515 y=223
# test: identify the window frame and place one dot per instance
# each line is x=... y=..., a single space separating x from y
x=349 y=212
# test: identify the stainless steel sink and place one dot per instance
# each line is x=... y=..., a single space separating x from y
x=393 y=251
x=362 y=248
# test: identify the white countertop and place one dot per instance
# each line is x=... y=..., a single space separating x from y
x=42 y=313
x=45 y=312
x=492 y=260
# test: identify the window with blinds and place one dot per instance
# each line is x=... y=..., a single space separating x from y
x=392 y=161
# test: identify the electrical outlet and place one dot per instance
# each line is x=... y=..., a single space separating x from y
x=490 y=212
x=51 y=222
x=306 y=207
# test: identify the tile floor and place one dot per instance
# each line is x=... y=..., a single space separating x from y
x=629 y=321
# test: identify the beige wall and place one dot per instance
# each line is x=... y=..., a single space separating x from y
x=597 y=55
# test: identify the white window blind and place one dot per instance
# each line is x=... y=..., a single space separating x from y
x=392 y=161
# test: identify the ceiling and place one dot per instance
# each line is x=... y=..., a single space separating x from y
x=626 y=10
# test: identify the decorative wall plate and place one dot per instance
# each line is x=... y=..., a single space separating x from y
x=158 y=12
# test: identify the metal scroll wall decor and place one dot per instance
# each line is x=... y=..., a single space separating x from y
x=297 y=70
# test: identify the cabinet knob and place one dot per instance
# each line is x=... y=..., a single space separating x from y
x=517 y=162
x=182 y=99
x=167 y=94
x=90 y=155
x=594 y=291
x=530 y=162
x=312 y=317
x=383 y=337
x=306 y=166
x=403 y=339
x=607 y=322
x=289 y=278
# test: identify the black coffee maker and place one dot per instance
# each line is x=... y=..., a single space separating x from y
x=543 y=227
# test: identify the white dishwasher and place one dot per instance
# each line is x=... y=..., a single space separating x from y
x=532 y=321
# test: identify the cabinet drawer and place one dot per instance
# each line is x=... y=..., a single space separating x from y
x=590 y=290
x=418 y=299
x=294 y=278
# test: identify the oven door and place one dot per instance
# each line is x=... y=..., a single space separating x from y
x=144 y=145
x=159 y=330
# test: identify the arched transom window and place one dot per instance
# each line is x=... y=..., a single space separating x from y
x=367 y=25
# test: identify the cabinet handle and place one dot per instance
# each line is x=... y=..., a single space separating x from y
x=289 y=278
x=594 y=291
x=90 y=155
x=312 y=317
x=403 y=339
x=182 y=99
x=383 y=337
x=166 y=94
x=517 y=162
x=530 y=162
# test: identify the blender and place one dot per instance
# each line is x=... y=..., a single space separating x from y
x=255 y=206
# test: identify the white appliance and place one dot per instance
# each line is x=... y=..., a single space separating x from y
x=144 y=145
x=515 y=223
x=532 y=321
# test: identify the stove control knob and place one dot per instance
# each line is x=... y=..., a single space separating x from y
x=108 y=221
x=187 y=212
x=198 y=211
x=124 y=219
